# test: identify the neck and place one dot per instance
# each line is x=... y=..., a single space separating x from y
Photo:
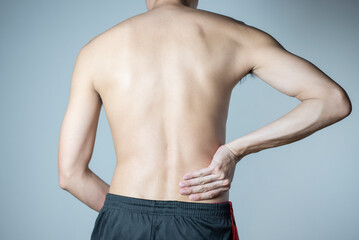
x=151 y=4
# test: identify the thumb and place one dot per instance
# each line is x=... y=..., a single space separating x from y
x=219 y=158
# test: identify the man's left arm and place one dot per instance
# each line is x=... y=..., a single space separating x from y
x=78 y=133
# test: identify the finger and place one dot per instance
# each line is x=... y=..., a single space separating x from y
x=205 y=188
x=208 y=195
x=199 y=180
x=200 y=173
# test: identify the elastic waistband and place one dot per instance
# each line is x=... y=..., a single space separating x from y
x=168 y=207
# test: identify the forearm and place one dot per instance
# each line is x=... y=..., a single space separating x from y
x=308 y=117
x=88 y=188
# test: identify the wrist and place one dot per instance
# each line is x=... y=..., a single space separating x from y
x=237 y=148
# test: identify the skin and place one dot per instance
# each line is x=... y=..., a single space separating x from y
x=164 y=79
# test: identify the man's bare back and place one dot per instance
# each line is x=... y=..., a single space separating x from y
x=165 y=78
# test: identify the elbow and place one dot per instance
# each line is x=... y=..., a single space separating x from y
x=66 y=177
x=62 y=185
x=63 y=181
x=69 y=178
x=63 y=175
x=340 y=104
x=69 y=172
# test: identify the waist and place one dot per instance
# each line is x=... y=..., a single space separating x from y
x=155 y=183
x=168 y=207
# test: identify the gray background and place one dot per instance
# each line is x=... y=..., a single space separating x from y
x=304 y=190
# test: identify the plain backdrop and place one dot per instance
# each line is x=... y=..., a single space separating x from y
x=307 y=190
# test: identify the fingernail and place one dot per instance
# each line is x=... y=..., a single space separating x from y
x=185 y=176
x=191 y=197
x=183 y=191
x=182 y=184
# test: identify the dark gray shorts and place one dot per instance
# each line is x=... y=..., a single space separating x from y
x=124 y=217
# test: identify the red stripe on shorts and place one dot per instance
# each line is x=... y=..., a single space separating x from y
x=234 y=227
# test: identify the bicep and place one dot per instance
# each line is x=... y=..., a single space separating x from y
x=78 y=130
x=287 y=72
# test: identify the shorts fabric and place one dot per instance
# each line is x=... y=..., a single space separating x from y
x=123 y=217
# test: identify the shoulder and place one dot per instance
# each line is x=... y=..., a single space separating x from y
x=100 y=46
x=239 y=31
x=250 y=36
x=255 y=44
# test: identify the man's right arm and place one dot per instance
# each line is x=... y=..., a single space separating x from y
x=323 y=102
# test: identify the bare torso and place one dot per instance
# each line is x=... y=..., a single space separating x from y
x=165 y=78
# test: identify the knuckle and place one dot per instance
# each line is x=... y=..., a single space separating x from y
x=221 y=176
x=218 y=175
x=226 y=182
x=199 y=190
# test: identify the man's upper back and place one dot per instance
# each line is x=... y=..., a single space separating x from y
x=165 y=79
